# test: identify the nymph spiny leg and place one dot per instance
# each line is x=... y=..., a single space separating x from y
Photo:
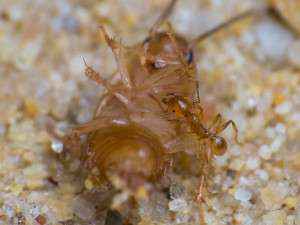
x=117 y=49
x=95 y=76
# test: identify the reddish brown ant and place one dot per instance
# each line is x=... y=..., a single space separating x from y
x=191 y=113
x=183 y=108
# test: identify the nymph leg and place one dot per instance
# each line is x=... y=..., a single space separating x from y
x=117 y=51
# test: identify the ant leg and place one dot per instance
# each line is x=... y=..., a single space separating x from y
x=196 y=103
x=222 y=127
x=197 y=100
x=201 y=188
x=117 y=51
x=216 y=122
x=165 y=14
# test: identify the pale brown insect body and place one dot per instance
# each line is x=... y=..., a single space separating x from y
x=127 y=135
x=124 y=148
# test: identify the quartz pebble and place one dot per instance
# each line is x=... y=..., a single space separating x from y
x=277 y=217
x=273 y=194
x=283 y=108
x=57 y=146
x=178 y=205
x=253 y=163
x=242 y=195
x=265 y=152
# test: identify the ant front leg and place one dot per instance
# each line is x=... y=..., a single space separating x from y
x=216 y=122
x=222 y=127
x=117 y=51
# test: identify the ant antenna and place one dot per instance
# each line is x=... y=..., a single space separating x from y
x=165 y=14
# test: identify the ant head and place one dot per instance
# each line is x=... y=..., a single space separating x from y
x=169 y=98
x=162 y=50
x=218 y=145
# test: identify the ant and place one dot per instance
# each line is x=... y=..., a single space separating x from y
x=182 y=108
x=192 y=113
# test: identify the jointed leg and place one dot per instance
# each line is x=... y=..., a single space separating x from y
x=197 y=100
x=201 y=189
x=117 y=51
x=95 y=76
x=216 y=122
x=197 y=108
x=222 y=127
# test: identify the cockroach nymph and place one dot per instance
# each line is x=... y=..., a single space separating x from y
x=127 y=136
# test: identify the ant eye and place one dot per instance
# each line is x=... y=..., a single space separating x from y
x=147 y=39
x=190 y=56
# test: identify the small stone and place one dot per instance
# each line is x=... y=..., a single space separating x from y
x=273 y=195
x=57 y=146
x=182 y=218
x=88 y=183
x=273 y=39
x=277 y=143
x=16 y=189
x=243 y=219
x=83 y=209
x=253 y=163
x=262 y=174
x=291 y=202
x=280 y=128
x=178 y=205
x=236 y=164
x=294 y=53
x=242 y=195
x=265 y=152
x=277 y=217
x=2 y=129
x=283 y=108
x=35 y=175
